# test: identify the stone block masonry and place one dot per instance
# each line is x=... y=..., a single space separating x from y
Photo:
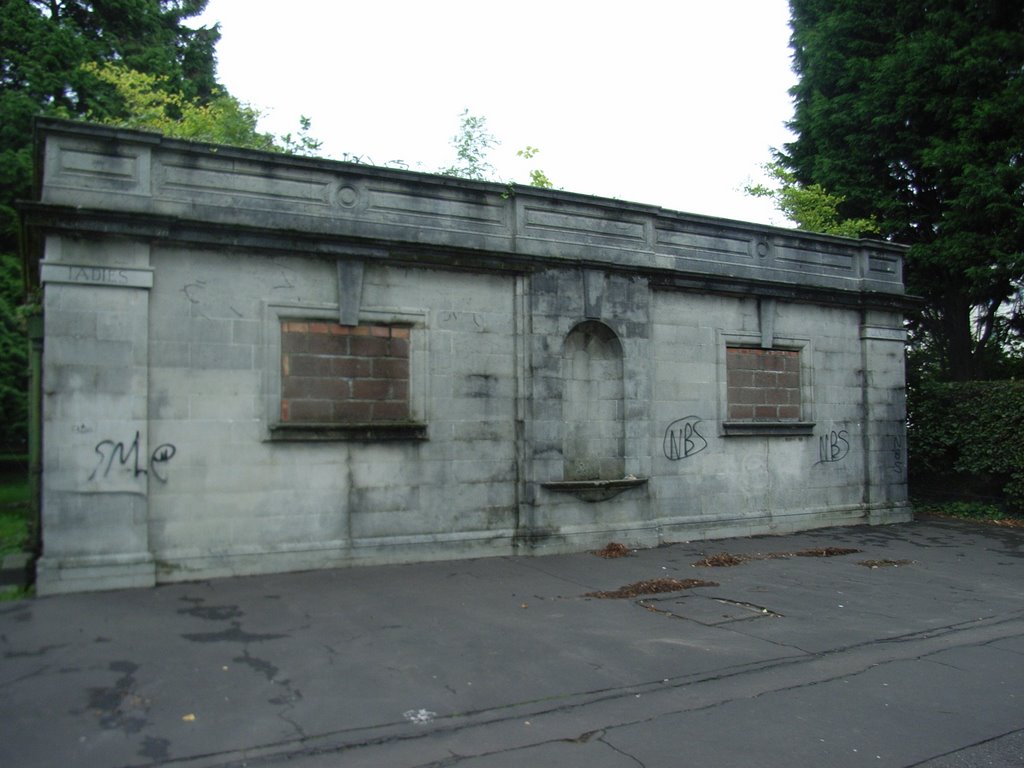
x=256 y=363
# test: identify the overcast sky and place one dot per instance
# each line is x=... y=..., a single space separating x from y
x=673 y=103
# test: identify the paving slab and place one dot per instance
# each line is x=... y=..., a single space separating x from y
x=906 y=652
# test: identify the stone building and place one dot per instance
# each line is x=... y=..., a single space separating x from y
x=258 y=363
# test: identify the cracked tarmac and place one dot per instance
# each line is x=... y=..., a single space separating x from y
x=506 y=661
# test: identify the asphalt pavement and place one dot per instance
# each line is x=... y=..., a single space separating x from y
x=906 y=652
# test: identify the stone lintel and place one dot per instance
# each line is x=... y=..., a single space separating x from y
x=877 y=333
x=92 y=274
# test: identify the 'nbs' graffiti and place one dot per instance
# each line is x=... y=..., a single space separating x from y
x=683 y=439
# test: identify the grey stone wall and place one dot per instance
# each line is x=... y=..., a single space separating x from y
x=567 y=367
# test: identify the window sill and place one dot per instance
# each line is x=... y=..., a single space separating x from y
x=595 y=490
x=365 y=432
x=758 y=428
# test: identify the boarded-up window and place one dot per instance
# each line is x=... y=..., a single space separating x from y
x=763 y=384
x=337 y=374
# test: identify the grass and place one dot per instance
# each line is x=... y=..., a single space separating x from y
x=13 y=531
x=14 y=513
x=14 y=523
x=974 y=511
x=13 y=490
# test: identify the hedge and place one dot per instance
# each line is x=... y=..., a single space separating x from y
x=968 y=433
x=13 y=463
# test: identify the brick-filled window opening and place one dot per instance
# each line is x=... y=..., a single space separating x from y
x=763 y=384
x=338 y=375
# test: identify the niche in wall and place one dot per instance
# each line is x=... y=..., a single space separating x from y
x=593 y=411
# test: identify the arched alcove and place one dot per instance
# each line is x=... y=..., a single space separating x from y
x=593 y=442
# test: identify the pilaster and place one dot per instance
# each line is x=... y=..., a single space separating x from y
x=97 y=457
x=884 y=417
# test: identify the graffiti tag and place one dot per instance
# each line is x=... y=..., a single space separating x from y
x=833 y=446
x=896 y=453
x=117 y=455
x=683 y=439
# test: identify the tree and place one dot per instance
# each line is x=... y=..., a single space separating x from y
x=910 y=114
x=809 y=206
x=149 y=103
x=472 y=144
x=537 y=177
x=42 y=48
x=43 y=45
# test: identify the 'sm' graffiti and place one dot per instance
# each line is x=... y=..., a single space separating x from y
x=116 y=454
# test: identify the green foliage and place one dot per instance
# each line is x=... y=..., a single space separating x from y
x=130 y=63
x=969 y=430
x=14 y=511
x=303 y=143
x=472 y=144
x=11 y=594
x=148 y=105
x=809 y=206
x=43 y=45
x=13 y=355
x=965 y=510
x=537 y=177
x=42 y=48
x=909 y=113
x=14 y=492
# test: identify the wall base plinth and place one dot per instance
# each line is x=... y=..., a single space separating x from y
x=55 y=576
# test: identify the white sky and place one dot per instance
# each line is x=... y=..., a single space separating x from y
x=673 y=103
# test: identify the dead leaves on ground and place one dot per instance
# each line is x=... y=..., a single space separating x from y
x=651 y=587
x=720 y=560
x=613 y=549
x=725 y=559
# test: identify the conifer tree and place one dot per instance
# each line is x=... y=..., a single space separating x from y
x=910 y=112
